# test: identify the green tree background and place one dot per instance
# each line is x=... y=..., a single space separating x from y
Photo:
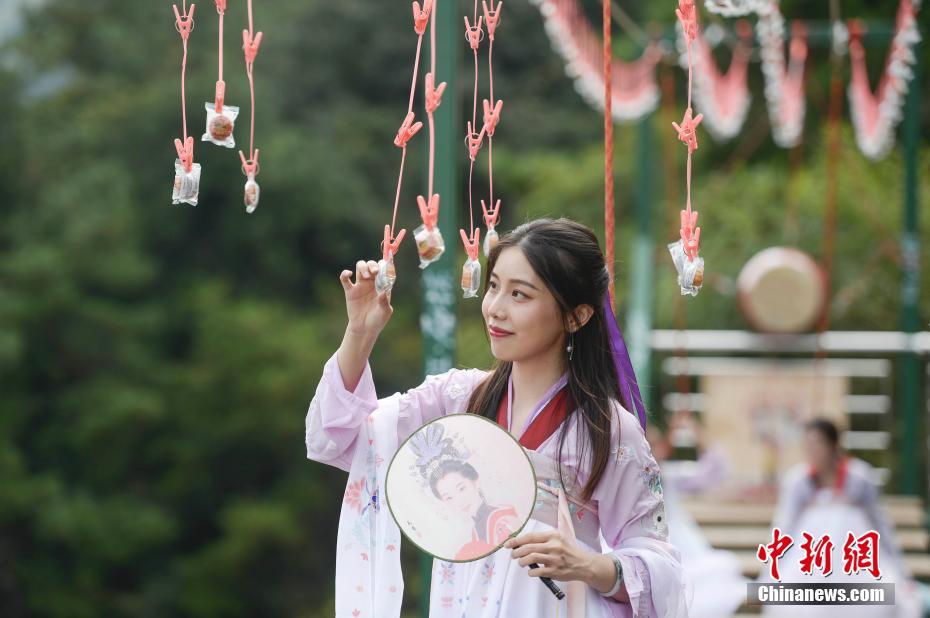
x=156 y=362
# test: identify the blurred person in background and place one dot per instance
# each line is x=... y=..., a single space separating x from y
x=832 y=493
x=715 y=574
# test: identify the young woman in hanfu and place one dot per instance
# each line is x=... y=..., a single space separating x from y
x=835 y=494
x=563 y=386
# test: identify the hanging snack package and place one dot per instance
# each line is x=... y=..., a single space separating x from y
x=220 y=125
x=430 y=245
x=490 y=241
x=387 y=275
x=252 y=192
x=471 y=278
x=186 y=184
x=690 y=272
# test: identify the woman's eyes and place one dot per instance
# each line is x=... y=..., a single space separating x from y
x=493 y=286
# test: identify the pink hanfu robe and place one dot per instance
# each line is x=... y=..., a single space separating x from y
x=358 y=432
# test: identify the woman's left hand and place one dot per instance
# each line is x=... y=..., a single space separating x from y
x=556 y=558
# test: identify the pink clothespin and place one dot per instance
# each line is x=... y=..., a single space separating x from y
x=492 y=115
x=690 y=233
x=471 y=246
x=184 y=23
x=220 y=6
x=421 y=17
x=433 y=95
x=250 y=45
x=490 y=214
x=491 y=17
x=429 y=212
x=249 y=166
x=219 y=96
x=185 y=152
x=389 y=247
x=687 y=15
x=473 y=34
x=687 y=130
x=473 y=141
x=692 y=244
x=407 y=130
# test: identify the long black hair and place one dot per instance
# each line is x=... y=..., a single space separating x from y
x=568 y=259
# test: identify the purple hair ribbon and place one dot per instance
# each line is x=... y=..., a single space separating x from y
x=630 y=396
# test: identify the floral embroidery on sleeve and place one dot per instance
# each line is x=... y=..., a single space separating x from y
x=652 y=478
x=455 y=391
x=621 y=454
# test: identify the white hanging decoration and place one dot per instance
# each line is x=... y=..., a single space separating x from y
x=732 y=8
x=784 y=86
x=723 y=99
x=635 y=91
x=875 y=115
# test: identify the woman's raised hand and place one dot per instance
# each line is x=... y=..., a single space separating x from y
x=368 y=310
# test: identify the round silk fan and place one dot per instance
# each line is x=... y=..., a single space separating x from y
x=460 y=486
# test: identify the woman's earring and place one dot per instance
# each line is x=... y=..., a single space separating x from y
x=571 y=345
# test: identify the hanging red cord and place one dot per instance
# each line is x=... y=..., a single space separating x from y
x=471 y=270
x=684 y=253
x=387 y=272
x=474 y=34
x=250 y=167
x=682 y=382
x=723 y=98
x=492 y=116
x=428 y=237
x=474 y=139
x=221 y=119
x=186 y=172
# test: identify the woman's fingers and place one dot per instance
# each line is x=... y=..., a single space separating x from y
x=537 y=558
x=361 y=271
x=529 y=537
x=529 y=548
x=345 y=278
x=544 y=572
x=372 y=267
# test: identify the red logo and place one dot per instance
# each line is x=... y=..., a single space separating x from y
x=774 y=550
x=819 y=554
x=861 y=554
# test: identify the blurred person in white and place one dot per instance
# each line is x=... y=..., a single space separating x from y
x=833 y=493
x=715 y=574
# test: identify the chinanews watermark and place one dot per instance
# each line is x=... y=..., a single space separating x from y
x=820 y=594
x=860 y=554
